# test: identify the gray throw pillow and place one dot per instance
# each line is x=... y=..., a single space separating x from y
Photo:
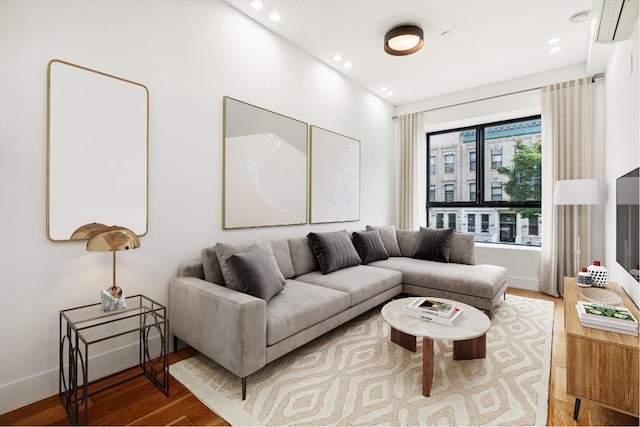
x=369 y=246
x=254 y=275
x=225 y=250
x=333 y=250
x=434 y=244
x=389 y=238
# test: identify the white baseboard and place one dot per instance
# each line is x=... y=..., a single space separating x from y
x=23 y=392
x=523 y=283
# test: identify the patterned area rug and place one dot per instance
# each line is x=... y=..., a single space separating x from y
x=355 y=375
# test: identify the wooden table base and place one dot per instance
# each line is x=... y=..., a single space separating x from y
x=475 y=348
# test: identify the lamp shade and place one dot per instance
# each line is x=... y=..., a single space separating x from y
x=112 y=238
x=577 y=192
x=83 y=232
x=403 y=40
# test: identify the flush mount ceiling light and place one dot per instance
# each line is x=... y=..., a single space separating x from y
x=403 y=40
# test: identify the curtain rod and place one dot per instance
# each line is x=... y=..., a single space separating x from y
x=593 y=78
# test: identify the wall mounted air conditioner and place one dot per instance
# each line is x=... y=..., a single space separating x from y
x=616 y=20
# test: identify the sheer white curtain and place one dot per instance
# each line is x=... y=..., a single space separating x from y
x=567 y=144
x=410 y=145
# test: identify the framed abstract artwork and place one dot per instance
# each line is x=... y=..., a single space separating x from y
x=335 y=177
x=265 y=162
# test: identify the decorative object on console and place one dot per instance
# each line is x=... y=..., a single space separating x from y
x=599 y=274
x=403 y=40
x=584 y=279
x=335 y=177
x=574 y=192
x=601 y=296
x=265 y=167
x=102 y=238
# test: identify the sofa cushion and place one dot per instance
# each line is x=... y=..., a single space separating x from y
x=211 y=266
x=461 y=252
x=369 y=246
x=302 y=257
x=333 y=250
x=434 y=244
x=225 y=250
x=389 y=238
x=283 y=257
x=360 y=282
x=254 y=274
x=476 y=280
x=300 y=306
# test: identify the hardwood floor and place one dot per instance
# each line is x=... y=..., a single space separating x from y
x=138 y=402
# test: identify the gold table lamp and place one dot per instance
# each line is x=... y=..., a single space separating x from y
x=102 y=238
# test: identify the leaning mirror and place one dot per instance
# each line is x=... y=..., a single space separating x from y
x=97 y=150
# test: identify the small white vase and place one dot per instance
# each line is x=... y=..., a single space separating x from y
x=599 y=274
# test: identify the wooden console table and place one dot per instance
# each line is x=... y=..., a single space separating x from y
x=602 y=366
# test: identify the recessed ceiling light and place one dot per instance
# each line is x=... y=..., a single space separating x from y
x=274 y=16
x=347 y=64
x=554 y=40
x=579 y=17
x=390 y=93
x=555 y=49
x=257 y=4
x=445 y=33
x=383 y=89
x=337 y=58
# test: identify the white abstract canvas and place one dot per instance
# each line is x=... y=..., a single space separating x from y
x=265 y=165
x=335 y=177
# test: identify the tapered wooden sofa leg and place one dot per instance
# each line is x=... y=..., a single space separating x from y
x=244 y=388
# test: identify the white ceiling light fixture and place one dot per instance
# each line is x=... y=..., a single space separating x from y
x=337 y=58
x=347 y=64
x=383 y=89
x=554 y=40
x=403 y=40
x=555 y=49
x=580 y=17
x=257 y=4
x=275 y=16
x=390 y=93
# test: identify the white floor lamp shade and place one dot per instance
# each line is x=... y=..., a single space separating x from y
x=574 y=192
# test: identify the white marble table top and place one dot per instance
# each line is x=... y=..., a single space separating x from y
x=472 y=323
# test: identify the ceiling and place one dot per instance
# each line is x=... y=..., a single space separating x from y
x=489 y=41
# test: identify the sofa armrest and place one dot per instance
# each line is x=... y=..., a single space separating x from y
x=227 y=326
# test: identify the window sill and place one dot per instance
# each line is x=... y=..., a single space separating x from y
x=502 y=246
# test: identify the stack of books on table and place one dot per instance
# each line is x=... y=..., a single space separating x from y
x=434 y=311
x=607 y=317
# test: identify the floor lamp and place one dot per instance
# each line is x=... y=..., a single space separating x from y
x=574 y=192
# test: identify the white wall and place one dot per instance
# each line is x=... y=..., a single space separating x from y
x=622 y=145
x=189 y=53
x=484 y=105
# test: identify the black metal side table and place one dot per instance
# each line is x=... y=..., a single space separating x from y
x=89 y=325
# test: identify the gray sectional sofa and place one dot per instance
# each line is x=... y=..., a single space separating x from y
x=243 y=333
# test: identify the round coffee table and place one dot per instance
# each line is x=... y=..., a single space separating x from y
x=468 y=334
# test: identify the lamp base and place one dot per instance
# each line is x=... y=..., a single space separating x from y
x=113 y=299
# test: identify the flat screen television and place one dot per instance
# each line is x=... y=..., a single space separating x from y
x=628 y=222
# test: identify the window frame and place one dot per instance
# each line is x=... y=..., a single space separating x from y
x=480 y=179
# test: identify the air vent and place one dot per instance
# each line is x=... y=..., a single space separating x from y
x=616 y=20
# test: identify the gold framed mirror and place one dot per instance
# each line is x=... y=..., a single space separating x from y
x=97 y=150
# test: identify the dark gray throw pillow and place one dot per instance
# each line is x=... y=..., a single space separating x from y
x=434 y=244
x=369 y=246
x=253 y=274
x=333 y=250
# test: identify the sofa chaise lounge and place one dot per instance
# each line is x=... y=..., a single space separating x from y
x=243 y=333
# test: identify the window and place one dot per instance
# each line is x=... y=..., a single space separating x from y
x=496 y=191
x=452 y=220
x=502 y=178
x=448 y=193
x=533 y=226
x=448 y=163
x=471 y=223
x=432 y=193
x=485 y=223
x=496 y=158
